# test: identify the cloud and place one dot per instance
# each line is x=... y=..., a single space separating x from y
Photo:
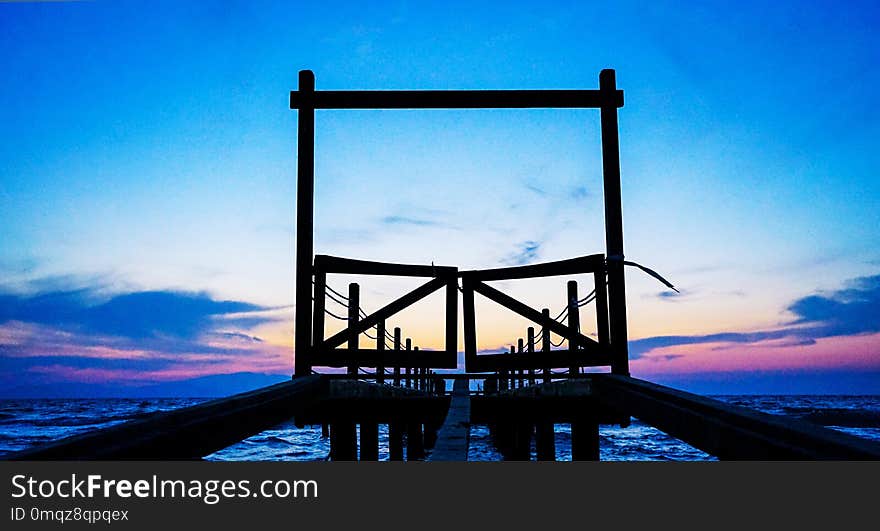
x=138 y=315
x=579 y=192
x=527 y=252
x=853 y=310
x=240 y=336
x=850 y=311
x=671 y=296
x=536 y=189
x=405 y=220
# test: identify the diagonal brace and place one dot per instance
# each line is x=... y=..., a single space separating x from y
x=534 y=315
x=385 y=312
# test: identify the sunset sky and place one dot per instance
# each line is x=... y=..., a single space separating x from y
x=147 y=183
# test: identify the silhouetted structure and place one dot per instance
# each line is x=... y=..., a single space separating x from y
x=524 y=392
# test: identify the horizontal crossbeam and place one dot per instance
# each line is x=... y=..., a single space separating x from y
x=540 y=360
x=456 y=99
x=362 y=357
x=335 y=264
x=572 y=266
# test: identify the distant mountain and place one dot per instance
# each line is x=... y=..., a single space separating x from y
x=204 y=386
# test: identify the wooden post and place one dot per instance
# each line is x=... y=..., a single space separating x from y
x=395 y=441
x=545 y=441
x=415 y=445
x=530 y=336
x=380 y=346
x=319 y=305
x=354 y=315
x=469 y=322
x=417 y=372
x=369 y=441
x=513 y=379
x=574 y=318
x=601 y=307
x=585 y=436
x=521 y=349
x=545 y=343
x=452 y=316
x=408 y=370
x=522 y=441
x=613 y=224
x=343 y=441
x=397 y=349
x=305 y=219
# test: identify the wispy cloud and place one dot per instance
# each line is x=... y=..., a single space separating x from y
x=526 y=252
x=534 y=188
x=406 y=220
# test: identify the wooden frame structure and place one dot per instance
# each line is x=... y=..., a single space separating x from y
x=324 y=352
x=312 y=349
x=583 y=350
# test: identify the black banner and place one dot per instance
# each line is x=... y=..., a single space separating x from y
x=147 y=495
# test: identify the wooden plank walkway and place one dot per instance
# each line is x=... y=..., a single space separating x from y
x=454 y=435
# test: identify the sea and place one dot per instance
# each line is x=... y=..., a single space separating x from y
x=30 y=422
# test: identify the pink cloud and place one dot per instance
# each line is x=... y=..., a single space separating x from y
x=859 y=352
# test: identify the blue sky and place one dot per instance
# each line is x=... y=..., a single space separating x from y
x=148 y=149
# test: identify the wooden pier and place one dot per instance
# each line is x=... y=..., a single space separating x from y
x=521 y=395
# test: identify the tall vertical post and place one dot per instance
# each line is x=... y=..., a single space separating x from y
x=397 y=353
x=354 y=307
x=574 y=319
x=545 y=343
x=305 y=217
x=380 y=347
x=613 y=223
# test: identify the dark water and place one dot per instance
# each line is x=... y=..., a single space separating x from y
x=25 y=423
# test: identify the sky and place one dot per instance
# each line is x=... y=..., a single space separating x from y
x=147 y=188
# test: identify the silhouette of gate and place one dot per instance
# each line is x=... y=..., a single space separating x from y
x=312 y=349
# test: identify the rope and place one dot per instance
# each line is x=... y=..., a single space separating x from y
x=331 y=314
x=588 y=296
x=649 y=271
x=562 y=315
x=340 y=295
x=337 y=301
